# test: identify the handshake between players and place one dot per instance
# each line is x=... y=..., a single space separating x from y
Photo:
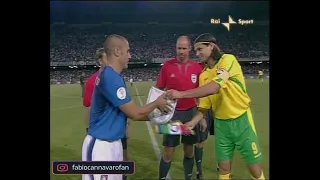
x=164 y=106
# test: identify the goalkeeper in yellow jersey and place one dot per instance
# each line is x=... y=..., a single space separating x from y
x=260 y=73
x=223 y=88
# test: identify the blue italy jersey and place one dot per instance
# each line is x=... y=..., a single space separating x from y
x=107 y=121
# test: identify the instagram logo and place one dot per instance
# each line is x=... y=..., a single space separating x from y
x=62 y=167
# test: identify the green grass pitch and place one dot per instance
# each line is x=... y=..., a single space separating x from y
x=67 y=131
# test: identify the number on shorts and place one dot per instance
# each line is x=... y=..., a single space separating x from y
x=254 y=148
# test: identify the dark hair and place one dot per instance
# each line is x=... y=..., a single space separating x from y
x=206 y=39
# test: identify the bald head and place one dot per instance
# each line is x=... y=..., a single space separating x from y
x=183 y=48
x=114 y=42
x=183 y=39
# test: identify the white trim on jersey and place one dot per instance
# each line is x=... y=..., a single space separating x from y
x=98 y=150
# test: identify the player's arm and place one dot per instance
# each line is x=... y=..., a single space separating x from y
x=223 y=74
x=203 y=107
x=87 y=102
x=114 y=89
x=203 y=103
x=162 y=80
x=138 y=113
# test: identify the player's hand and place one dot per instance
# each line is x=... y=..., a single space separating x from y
x=223 y=74
x=173 y=94
x=165 y=109
x=190 y=125
x=203 y=125
x=163 y=104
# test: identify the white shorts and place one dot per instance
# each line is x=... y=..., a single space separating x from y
x=98 y=150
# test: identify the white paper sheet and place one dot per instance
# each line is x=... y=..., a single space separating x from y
x=156 y=116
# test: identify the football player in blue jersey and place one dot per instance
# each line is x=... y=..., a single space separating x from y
x=110 y=107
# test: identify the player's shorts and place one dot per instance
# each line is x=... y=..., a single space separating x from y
x=124 y=143
x=210 y=122
x=260 y=76
x=237 y=133
x=202 y=136
x=97 y=150
x=174 y=140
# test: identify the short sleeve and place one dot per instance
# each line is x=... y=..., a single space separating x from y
x=204 y=102
x=225 y=70
x=113 y=87
x=88 y=91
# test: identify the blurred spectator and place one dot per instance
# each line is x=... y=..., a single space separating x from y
x=79 y=42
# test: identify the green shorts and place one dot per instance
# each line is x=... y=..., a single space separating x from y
x=237 y=133
x=260 y=76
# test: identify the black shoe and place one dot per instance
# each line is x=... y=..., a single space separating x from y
x=199 y=176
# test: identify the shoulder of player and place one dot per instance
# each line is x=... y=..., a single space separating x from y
x=94 y=75
x=109 y=74
x=226 y=59
x=193 y=62
x=196 y=65
x=204 y=71
x=169 y=62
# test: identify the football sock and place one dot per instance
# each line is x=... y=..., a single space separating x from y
x=198 y=158
x=225 y=176
x=188 y=166
x=163 y=169
x=261 y=177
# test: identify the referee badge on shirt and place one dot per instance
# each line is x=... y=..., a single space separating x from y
x=104 y=177
x=193 y=78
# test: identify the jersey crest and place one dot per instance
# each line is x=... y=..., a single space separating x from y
x=97 y=81
x=121 y=93
x=193 y=78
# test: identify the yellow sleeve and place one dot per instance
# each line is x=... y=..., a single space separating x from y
x=225 y=70
x=204 y=102
x=201 y=79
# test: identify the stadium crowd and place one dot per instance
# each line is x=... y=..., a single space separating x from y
x=79 y=42
x=75 y=43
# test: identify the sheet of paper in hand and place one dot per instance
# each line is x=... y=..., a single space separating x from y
x=173 y=128
x=157 y=116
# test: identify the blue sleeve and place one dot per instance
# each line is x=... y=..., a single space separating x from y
x=113 y=88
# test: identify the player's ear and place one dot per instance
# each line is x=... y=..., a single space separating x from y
x=100 y=61
x=211 y=46
x=117 y=52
